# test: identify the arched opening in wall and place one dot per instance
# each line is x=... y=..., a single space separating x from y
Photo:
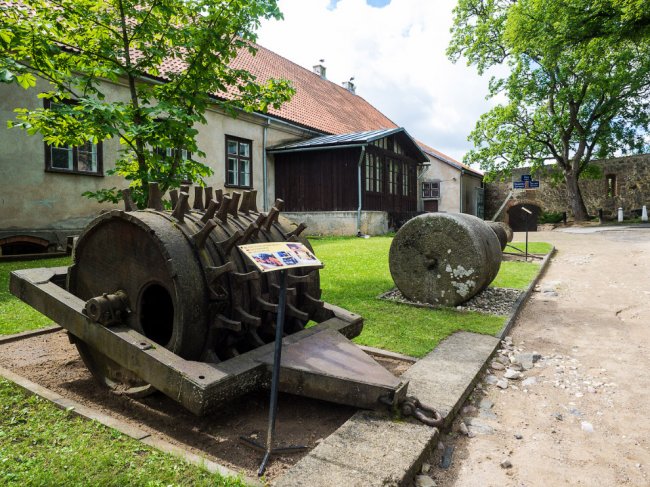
x=519 y=220
x=23 y=245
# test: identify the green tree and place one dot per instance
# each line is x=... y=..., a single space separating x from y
x=576 y=88
x=172 y=57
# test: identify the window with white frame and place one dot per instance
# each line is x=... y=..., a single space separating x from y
x=373 y=173
x=431 y=189
x=238 y=162
x=393 y=173
x=80 y=159
x=405 y=180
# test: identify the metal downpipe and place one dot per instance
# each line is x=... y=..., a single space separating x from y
x=361 y=157
x=265 y=175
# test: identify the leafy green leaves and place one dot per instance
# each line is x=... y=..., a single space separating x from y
x=142 y=71
x=574 y=91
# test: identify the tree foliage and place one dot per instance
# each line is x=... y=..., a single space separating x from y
x=577 y=85
x=171 y=58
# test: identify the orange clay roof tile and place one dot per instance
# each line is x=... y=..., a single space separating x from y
x=318 y=103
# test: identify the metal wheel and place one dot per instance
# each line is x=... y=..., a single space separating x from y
x=109 y=373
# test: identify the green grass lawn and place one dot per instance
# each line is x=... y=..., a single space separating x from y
x=43 y=445
x=516 y=275
x=533 y=247
x=16 y=316
x=356 y=272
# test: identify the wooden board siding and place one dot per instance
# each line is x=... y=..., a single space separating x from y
x=318 y=180
x=384 y=200
x=327 y=180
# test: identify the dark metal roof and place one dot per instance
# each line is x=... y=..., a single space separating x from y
x=356 y=139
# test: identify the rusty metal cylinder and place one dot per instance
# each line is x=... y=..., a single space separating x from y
x=444 y=258
x=188 y=287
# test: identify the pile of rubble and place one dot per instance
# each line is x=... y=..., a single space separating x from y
x=511 y=365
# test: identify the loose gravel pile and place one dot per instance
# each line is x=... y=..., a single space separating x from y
x=493 y=300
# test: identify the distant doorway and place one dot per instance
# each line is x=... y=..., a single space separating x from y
x=430 y=206
x=518 y=219
x=22 y=245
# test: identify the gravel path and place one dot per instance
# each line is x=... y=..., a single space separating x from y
x=564 y=401
x=493 y=300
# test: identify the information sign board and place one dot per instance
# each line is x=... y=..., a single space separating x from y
x=278 y=256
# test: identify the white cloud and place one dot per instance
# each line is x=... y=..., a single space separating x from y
x=397 y=56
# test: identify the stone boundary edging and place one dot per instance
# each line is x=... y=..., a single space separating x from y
x=29 y=334
x=121 y=426
x=521 y=300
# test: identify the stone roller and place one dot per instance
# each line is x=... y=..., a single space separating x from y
x=508 y=229
x=187 y=286
x=444 y=258
x=500 y=231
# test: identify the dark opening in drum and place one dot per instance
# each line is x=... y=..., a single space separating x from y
x=157 y=314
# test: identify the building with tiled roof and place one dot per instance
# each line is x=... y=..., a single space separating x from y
x=318 y=103
x=371 y=184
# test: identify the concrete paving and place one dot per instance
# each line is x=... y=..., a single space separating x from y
x=373 y=450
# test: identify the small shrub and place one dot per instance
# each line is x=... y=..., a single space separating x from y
x=550 y=217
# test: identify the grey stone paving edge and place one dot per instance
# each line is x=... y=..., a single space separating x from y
x=443 y=379
x=521 y=300
x=370 y=449
x=121 y=426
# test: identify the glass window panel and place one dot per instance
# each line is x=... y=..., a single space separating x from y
x=405 y=181
x=61 y=157
x=232 y=171
x=87 y=157
x=232 y=147
x=244 y=172
x=244 y=149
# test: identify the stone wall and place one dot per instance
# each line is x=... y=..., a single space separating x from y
x=340 y=222
x=631 y=189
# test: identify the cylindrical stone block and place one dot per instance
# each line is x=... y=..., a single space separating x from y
x=500 y=232
x=444 y=258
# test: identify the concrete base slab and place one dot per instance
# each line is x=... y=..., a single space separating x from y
x=368 y=450
x=444 y=378
x=371 y=449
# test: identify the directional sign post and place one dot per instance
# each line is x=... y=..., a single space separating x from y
x=526 y=182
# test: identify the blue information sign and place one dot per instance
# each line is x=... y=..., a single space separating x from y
x=526 y=177
x=518 y=185
x=533 y=184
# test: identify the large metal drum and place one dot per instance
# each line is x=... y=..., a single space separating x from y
x=188 y=287
x=444 y=258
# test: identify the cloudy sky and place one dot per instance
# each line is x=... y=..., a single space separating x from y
x=395 y=49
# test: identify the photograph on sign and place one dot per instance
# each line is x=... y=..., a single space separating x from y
x=274 y=256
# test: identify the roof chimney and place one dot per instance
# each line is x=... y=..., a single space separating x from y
x=320 y=69
x=350 y=86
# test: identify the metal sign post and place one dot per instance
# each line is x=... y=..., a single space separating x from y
x=527 y=218
x=275 y=382
x=277 y=257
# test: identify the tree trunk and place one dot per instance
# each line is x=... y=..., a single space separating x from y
x=574 y=197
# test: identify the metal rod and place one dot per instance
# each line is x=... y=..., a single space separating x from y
x=275 y=380
x=526 y=257
x=359 y=191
